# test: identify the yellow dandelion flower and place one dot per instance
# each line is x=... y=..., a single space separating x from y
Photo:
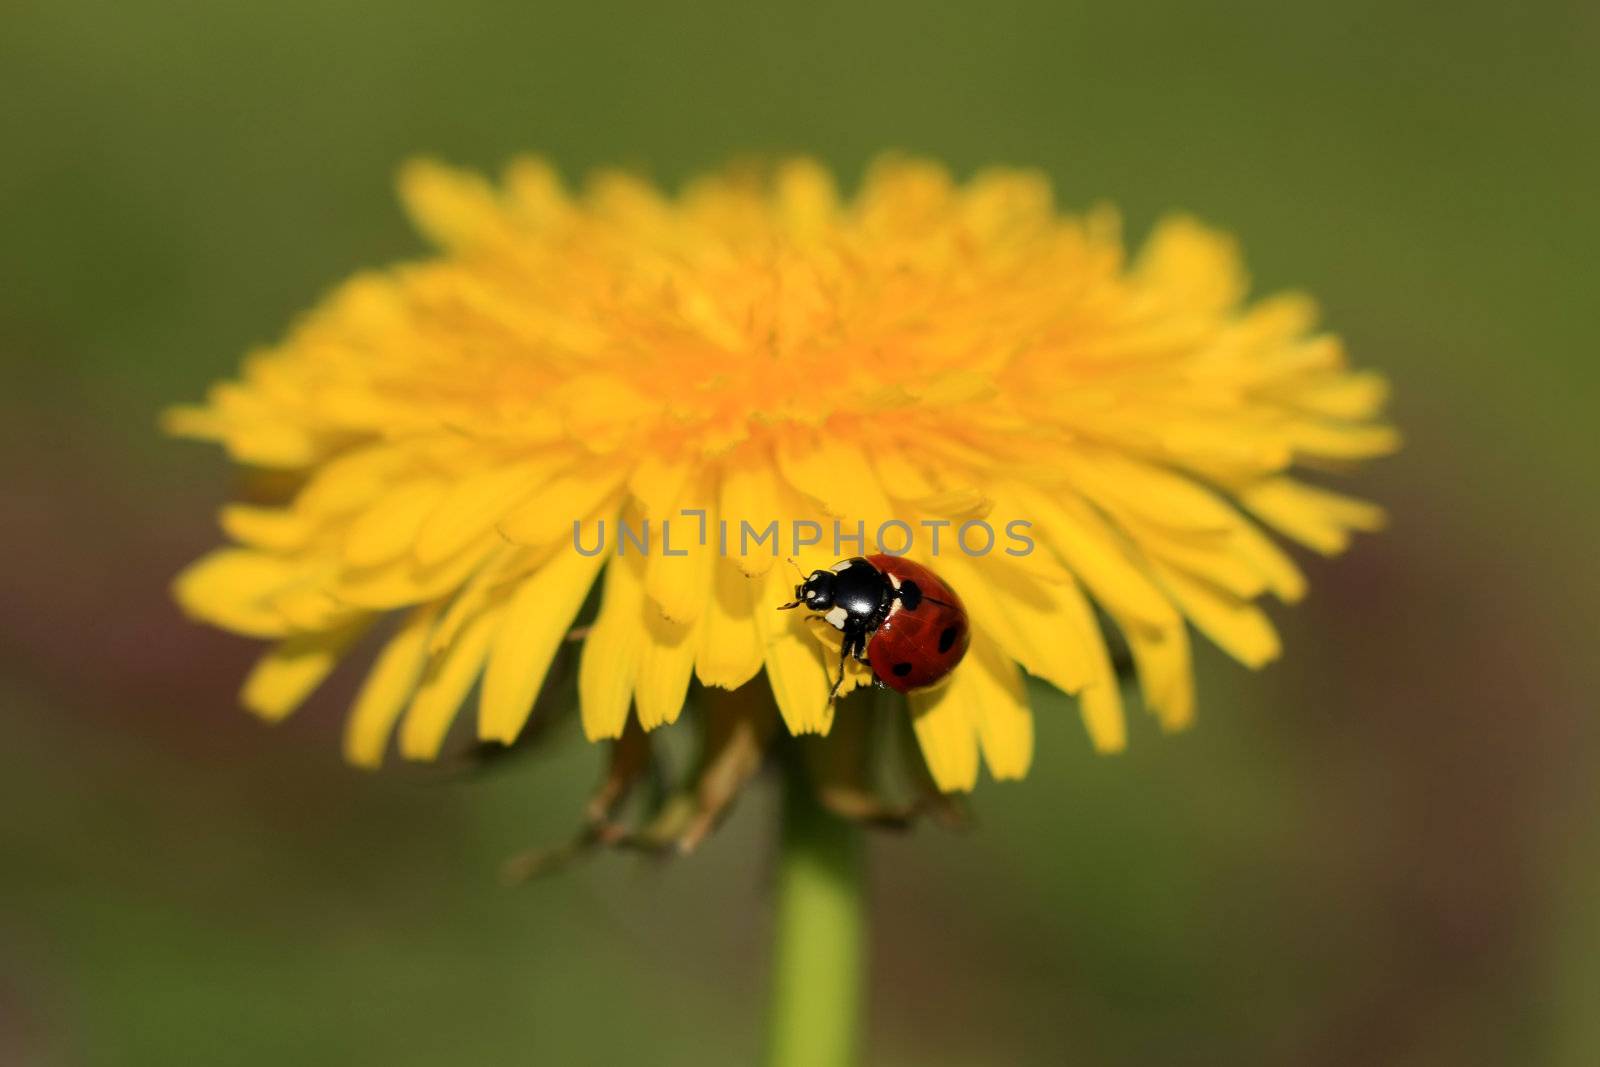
x=759 y=352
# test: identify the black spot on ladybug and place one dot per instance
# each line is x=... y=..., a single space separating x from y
x=948 y=637
x=901 y=669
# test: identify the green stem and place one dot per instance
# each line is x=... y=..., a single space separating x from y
x=818 y=966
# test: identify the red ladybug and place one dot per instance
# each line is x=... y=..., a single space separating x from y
x=898 y=617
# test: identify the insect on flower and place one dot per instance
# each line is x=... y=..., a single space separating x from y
x=897 y=617
x=621 y=354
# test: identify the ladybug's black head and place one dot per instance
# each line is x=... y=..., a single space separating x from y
x=817 y=591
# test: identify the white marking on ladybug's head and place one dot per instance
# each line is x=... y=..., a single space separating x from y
x=836 y=617
x=842 y=566
x=895 y=579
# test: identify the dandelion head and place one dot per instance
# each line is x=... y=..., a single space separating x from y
x=1089 y=446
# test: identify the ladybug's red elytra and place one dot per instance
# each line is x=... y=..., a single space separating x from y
x=898 y=617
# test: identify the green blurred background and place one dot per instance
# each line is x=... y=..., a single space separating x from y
x=1380 y=850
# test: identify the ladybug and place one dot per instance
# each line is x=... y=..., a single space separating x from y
x=897 y=617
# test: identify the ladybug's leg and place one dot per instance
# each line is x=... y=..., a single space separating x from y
x=854 y=641
x=838 y=683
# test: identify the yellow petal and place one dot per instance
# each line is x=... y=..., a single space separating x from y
x=900 y=475
x=601 y=410
x=1092 y=551
x=805 y=197
x=1189 y=525
x=730 y=645
x=537 y=619
x=232 y=588
x=280 y=530
x=1019 y=545
x=472 y=506
x=1166 y=677
x=445 y=685
x=309 y=606
x=389 y=685
x=499 y=569
x=1155 y=493
x=837 y=475
x=1001 y=202
x=958 y=505
x=252 y=433
x=535 y=192
x=1352 y=396
x=195 y=421
x=1024 y=616
x=795 y=667
x=1342 y=440
x=456 y=209
x=1100 y=704
x=665 y=664
x=612 y=651
x=388 y=529
x=1283 y=575
x=1209 y=558
x=1193 y=264
x=283 y=678
x=1317 y=518
x=657 y=484
x=569 y=499
x=994 y=688
x=954 y=389
x=629 y=200
x=749 y=504
x=902 y=196
x=680 y=585
x=1222 y=449
x=1277 y=319
x=1238 y=627
x=351 y=481
x=948 y=737
x=1100 y=699
x=403 y=582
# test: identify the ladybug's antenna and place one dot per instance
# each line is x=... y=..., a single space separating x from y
x=794 y=603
